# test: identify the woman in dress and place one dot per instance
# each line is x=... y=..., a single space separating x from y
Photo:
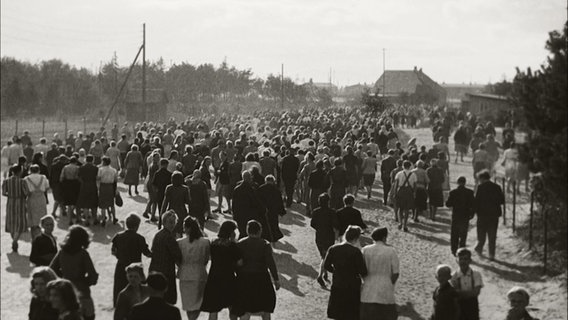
x=114 y=154
x=63 y=298
x=37 y=186
x=173 y=161
x=133 y=164
x=74 y=263
x=55 y=185
x=220 y=289
x=40 y=307
x=134 y=292
x=435 y=191
x=445 y=166
x=107 y=177
x=70 y=186
x=176 y=198
x=199 y=206
x=255 y=288
x=511 y=163
x=420 y=196
x=369 y=170
x=14 y=188
x=338 y=181
x=153 y=204
x=347 y=264
x=192 y=273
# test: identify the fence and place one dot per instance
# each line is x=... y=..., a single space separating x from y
x=41 y=127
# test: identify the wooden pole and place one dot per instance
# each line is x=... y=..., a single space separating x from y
x=514 y=204
x=282 y=88
x=16 y=132
x=545 y=217
x=66 y=132
x=531 y=220
x=504 y=204
x=43 y=127
x=144 y=71
x=384 y=75
x=85 y=126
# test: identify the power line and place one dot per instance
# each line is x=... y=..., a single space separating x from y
x=68 y=27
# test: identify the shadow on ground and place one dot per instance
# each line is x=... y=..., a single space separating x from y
x=19 y=264
x=292 y=269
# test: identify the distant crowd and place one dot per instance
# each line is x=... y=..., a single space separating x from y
x=256 y=167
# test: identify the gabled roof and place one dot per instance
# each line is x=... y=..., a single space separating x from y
x=152 y=96
x=398 y=81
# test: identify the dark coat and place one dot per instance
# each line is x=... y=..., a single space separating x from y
x=154 y=308
x=347 y=216
x=271 y=199
x=88 y=196
x=161 y=180
x=461 y=201
x=246 y=206
x=290 y=166
x=488 y=200
x=387 y=166
x=43 y=246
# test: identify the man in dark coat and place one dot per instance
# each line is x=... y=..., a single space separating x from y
x=349 y=216
x=290 y=166
x=387 y=166
x=488 y=201
x=461 y=201
x=88 y=199
x=246 y=205
x=162 y=178
x=155 y=307
x=271 y=199
x=318 y=183
x=166 y=253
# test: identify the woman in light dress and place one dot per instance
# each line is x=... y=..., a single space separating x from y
x=192 y=272
x=37 y=185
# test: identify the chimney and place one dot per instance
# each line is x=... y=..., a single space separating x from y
x=414 y=68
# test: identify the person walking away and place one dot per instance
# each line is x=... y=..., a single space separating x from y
x=256 y=291
x=369 y=169
x=435 y=189
x=223 y=183
x=445 y=166
x=308 y=165
x=404 y=184
x=468 y=284
x=133 y=164
x=392 y=194
x=351 y=167
x=347 y=264
x=114 y=154
x=44 y=246
x=492 y=148
x=157 y=305
x=377 y=291
x=55 y=184
x=166 y=254
x=481 y=161
x=290 y=166
x=461 y=140
x=324 y=221
x=388 y=164
x=461 y=201
x=134 y=293
x=150 y=211
x=199 y=206
x=317 y=184
x=40 y=307
x=348 y=216
x=36 y=201
x=70 y=187
x=221 y=287
x=246 y=204
x=14 y=188
x=63 y=298
x=421 y=195
x=128 y=247
x=488 y=201
x=74 y=263
x=271 y=199
x=445 y=296
x=162 y=178
x=192 y=271
x=176 y=198
x=87 y=201
x=107 y=177
x=338 y=184
x=511 y=164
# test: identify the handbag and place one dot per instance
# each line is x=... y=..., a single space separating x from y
x=118 y=199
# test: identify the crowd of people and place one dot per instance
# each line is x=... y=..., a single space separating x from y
x=256 y=166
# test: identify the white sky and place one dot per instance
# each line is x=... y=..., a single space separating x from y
x=454 y=41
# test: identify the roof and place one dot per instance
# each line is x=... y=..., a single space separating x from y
x=398 y=81
x=152 y=96
x=487 y=96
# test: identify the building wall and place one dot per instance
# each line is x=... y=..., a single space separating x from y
x=483 y=107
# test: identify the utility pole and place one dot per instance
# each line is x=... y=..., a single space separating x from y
x=144 y=71
x=282 y=88
x=115 y=71
x=384 y=75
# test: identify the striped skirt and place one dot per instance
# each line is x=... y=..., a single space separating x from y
x=16 y=218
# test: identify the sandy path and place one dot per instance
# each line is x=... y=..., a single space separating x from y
x=420 y=250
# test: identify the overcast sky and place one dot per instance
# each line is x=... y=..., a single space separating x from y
x=453 y=41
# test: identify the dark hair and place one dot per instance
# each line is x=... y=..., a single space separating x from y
x=226 y=229
x=37 y=157
x=90 y=158
x=484 y=175
x=34 y=168
x=132 y=221
x=106 y=161
x=319 y=164
x=323 y=200
x=192 y=226
x=461 y=180
x=407 y=164
x=164 y=162
x=463 y=252
x=44 y=272
x=379 y=234
x=352 y=233
x=67 y=293
x=253 y=227
x=157 y=281
x=348 y=199
x=177 y=179
x=76 y=239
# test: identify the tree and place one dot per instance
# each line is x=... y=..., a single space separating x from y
x=542 y=97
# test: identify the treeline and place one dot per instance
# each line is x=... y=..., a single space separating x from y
x=56 y=88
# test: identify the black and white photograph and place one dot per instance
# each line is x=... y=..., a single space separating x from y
x=288 y=160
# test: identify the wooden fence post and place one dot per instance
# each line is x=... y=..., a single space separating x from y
x=85 y=126
x=43 y=127
x=531 y=220
x=66 y=132
x=504 y=204
x=514 y=203
x=16 y=132
x=545 y=217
